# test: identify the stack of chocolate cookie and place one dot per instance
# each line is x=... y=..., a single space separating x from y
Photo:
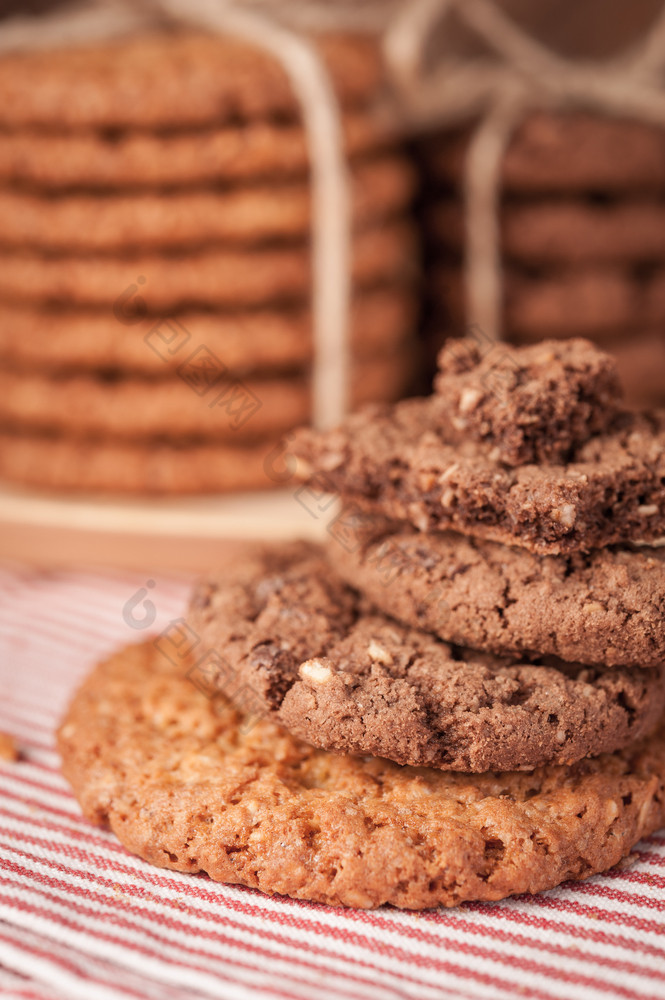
x=155 y=272
x=460 y=699
x=583 y=238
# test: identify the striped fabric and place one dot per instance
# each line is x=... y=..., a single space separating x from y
x=81 y=918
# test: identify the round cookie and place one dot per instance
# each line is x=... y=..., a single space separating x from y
x=230 y=278
x=603 y=608
x=566 y=152
x=189 y=783
x=380 y=189
x=157 y=468
x=206 y=401
x=565 y=232
x=108 y=159
x=592 y=301
x=167 y=80
x=640 y=358
x=321 y=661
x=382 y=320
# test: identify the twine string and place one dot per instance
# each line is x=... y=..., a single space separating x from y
x=331 y=210
x=520 y=75
x=482 y=196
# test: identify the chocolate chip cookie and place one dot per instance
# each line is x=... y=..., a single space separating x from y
x=533 y=404
x=322 y=661
x=396 y=461
x=606 y=607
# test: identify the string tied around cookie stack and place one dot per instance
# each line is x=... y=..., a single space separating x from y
x=518 y=76
x=269 y=29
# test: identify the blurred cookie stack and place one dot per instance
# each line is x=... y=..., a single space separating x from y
x=155 y=273
x=583 y=238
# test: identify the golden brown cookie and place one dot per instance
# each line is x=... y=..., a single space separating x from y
x=203 y=400
x=166 y=80
x=156 y=468
x=322 y=661
x=640 y=358
x=566 y=151
x=248 y=216
x=565 y=232
x=136 y=159
x=189 y=783
x=230 y=278
x=570 y=301
x=265 y=340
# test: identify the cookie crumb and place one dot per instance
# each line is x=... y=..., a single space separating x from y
x=8 y=748
x=627 y=862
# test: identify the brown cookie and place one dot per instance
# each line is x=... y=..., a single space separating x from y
x=264 y=340
x=192 y=784
x=640 y=357
x=394 y=461
x=641 y=360
x=565 y=151
x=249 y=216
x=323 y=662
x=571 y=302
x=166 y=80
x=529 y=404
x=205 y=402
x=568 y=232
x=109 y=159
x=230 y=278
x=605 y=608
x=156 y=468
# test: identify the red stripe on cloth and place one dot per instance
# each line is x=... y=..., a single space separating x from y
x=175 y=924
x=120 y=922
x=84 y=897
x=409 y=934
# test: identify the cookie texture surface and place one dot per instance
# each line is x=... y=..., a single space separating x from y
x=392 y=461
x=201 y=400
x=564 y=232
x=530 y=404
x=597 y=300
x=156 y=468
x=566 y=152
x=166 y=80
x=253 y=340
x=189 y=783
x=207 y=277
x=604 y=608
x=336 y=672
x=260 y=214
x=137 y=159
x=640 y=358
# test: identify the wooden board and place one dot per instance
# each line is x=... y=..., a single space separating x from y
x=189 y=534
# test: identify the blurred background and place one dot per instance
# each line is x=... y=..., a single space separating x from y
x=156 y=326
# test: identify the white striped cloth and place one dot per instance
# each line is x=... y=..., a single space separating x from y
x=82 y=918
